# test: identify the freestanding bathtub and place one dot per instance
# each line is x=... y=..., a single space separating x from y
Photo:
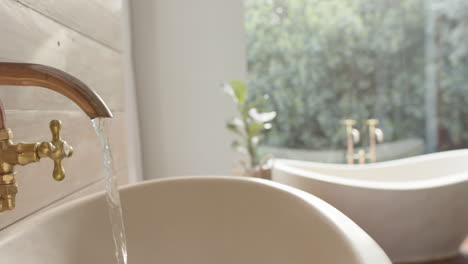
x=415 y=208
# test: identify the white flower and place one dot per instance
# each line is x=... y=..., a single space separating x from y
x=261 y=117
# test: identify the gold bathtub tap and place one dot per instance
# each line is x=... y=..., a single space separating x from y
x=375 y=136
x=352 y=137
x=23 y=74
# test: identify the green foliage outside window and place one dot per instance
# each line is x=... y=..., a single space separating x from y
x=323 y=61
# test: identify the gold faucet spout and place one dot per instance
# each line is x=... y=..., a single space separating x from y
x=26 y=74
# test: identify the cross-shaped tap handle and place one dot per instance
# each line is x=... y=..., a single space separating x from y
x=56 y=150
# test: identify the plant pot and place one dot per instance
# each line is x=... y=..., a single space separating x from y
x=257 y=172
x=262 y=171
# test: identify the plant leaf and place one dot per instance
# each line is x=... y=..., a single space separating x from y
x=256 y=139
x=237 y=146
x=236 y=125
x=238 y=90
x=228 y=90
x=255 y=128
x=258 y=101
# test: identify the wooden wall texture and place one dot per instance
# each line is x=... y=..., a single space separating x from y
x=82 y=38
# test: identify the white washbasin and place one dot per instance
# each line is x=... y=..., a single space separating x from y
x=196 y=220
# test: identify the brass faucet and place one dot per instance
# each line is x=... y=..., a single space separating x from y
x=352 y=135
x=23 y=74
x=375 y=136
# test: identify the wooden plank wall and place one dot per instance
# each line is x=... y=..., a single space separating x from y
x=82 y=38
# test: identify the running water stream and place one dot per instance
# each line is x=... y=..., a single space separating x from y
x=112 y=193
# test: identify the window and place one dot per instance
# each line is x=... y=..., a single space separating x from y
x=404 y=62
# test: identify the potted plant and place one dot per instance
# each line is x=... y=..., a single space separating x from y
x=250 y=128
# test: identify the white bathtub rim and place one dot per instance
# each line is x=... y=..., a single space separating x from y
x=290 y=167
x=368 y=184
x=388 y=163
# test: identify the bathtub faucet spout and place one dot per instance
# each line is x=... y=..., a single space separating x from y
x=352 y=137
x=375 y=136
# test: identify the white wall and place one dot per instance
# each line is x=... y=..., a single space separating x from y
x=183 y=51
x=64 y=35
x=133 y=132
